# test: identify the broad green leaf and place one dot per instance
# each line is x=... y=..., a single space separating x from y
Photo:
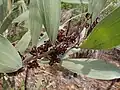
x=1 y=2
x=75 y=1
x=8 y=20
x=106 y=34
x=22 y=17
x=35 y=21
x=22 y=45
x=50 y=12
x=95 y=7
x=10 y=60
x=1 y=13
x=93 y=68
x=3 y=9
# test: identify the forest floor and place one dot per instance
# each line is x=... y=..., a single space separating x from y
x=57 y=78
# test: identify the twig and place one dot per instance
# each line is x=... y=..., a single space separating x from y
x=68 y=27
x=110 y=86
x=37 y=57
x=27 y=60
x=26 y=78
x=72 y=18
x=0 y=84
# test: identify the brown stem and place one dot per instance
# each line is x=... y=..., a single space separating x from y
x=37 y=57
x=26 y=78
x=0 y=84
x=68 y=27
x=111 y=85
x=27 y=60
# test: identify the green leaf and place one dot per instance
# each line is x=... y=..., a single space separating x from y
x=35 y=21
x=10 y=60
x=50 y=12
x=75 y=1
x=1 y=2
x=93 y=68
x=1 y=14
x=22 y=45
x=22 y=17
x=95 y=7
x=3 y=9
x=106 y=34
x=8 y=20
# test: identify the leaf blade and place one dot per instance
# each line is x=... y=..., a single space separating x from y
x=93 y=68
x=8 y=20
x=10 y=60
x=22 y=45
x=95 y=7
x=1 y=2
x=35 y=22
x=22 y=17
x=105 y=35
x=50 y=11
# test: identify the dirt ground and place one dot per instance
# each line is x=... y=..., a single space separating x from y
x=57 y=78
